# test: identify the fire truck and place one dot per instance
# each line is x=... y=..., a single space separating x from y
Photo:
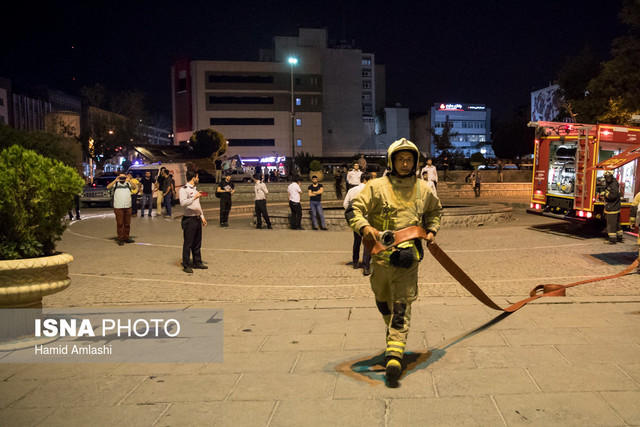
x=569 y=164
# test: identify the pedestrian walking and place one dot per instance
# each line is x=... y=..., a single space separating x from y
x=445 y=168
x=192 y=222
x=134 y=194
x=218 y=164
x=353 y=176
x=122 y=187
x=477 y=182
x=338 y=183
x=225 y=190
x=261 y=191
x=611 y=197
x=393 y=203
x=357 y=239
x=294 y=191
x=167 y=192
x=431 y=173
x=147 y=183
x=500 y=166
x=315 y=203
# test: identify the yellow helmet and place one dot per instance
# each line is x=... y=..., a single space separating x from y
x=402 y=145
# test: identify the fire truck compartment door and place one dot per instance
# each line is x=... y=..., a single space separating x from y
x=619 y=160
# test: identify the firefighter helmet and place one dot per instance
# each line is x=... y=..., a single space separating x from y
x=402 y=145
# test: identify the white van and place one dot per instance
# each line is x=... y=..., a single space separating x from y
x=178 y=170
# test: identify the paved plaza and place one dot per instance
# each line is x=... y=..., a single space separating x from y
x=303 y=338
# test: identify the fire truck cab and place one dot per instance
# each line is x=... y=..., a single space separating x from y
x=569 y=164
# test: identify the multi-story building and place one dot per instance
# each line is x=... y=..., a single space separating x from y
x=5 y=104
x=470 y=125
x=329 y=95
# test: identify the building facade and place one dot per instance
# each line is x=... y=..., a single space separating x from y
x=469 y=124
x=325 y=103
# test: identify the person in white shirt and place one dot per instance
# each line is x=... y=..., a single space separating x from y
x=122 y=187
x=432 y=173
x=261 y=191
x=357 y=239
x=192 y=222
x=353 y=177
x=295 y=191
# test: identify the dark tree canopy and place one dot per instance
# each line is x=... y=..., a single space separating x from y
x=208 y=143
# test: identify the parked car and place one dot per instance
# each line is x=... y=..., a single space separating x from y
x=238 y=175
x=97 y=192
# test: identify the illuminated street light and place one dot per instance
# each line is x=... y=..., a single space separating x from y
x=292 y=61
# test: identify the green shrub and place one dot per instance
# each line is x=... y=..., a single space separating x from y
x=315 y=165
x=35 y=195
x=477 y=157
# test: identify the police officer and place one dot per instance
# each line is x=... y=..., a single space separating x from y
x=192 y=222
x=611 y=196
x=394 y=202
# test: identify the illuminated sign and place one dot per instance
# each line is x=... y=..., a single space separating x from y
x=460 y=107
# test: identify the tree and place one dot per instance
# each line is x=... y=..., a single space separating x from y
x=48 y=144
x=206 y=143
x=613 y=95
x=442 y=141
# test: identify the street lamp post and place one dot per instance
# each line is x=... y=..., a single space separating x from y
x=292 y=61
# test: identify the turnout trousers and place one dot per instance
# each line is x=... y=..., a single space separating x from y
x=614 y=229
x=394 y=289
x=192 y=232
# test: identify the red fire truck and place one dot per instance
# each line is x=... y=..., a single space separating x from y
x=569 y=164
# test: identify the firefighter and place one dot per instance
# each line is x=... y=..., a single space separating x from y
x=394 y=202
x=635 y=217
x=611 y=196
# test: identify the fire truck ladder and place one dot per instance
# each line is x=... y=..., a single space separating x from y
x=582 y=162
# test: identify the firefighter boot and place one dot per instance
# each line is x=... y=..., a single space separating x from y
x=393 y=371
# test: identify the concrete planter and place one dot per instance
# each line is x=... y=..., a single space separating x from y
x=23 y=282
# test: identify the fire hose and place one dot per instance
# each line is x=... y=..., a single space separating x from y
x=392 y=238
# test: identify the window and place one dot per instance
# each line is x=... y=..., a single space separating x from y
x=366 y=62
x=241 y=99
x=299 y=142
x=298 y=101
x=366 y=85
x=213 y=78
x=251 y=142
x=221 y=121
x=298 y=122
x=297 y=81
x=1 y=101
x=181 y=84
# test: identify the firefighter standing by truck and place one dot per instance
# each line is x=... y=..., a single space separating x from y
x=611 y=196
x=394 y=202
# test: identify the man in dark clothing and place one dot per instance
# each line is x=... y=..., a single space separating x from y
x=315 y=203
x=147 y=193
x=192 y=222
x=159 y=187
x=611 y=196
x=225 y=190
x=167 y=192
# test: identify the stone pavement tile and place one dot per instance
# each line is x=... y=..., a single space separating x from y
x=24 y=417
x=243 y=343
x=418 y=383
x=9 y=370
x=277 y=386
x=435 y=322
x=348 y=303
x=444 y=411
x=330 y=413
x=568 y=319
x=369 y=313
x=251 y=315
x=252 y=362
x=613 y=335
x=52 y=371
x=11 y=391
x=231 y=326
x=518 y=320
x=154 y=369
x=113 y=415
x=276 y=327
x=544 y=336
x=632 y=369
x=625 y=403
x=581 y=378
x=454 y=357
x=482 y=382
x=218 y=414
x=559 y=409
x=91 y=391
x=483 y=338
x=517 y=357
x=183 y=388
x=327 y=361
x=294 y=343
x=600 y=353
x=336 y=314
x=349 y=326
x=623 y=319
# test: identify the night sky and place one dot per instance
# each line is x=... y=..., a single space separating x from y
x=490 y=52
